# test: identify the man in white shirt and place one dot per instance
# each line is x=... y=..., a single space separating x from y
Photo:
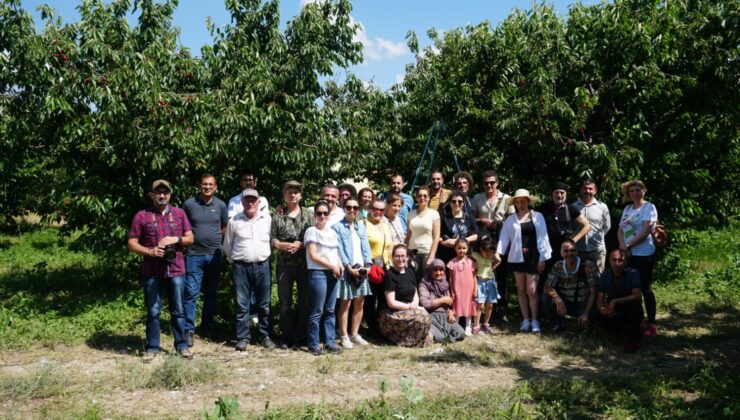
x=247 y=179
x=247 y=246
x=330 y=194
x=592 y=247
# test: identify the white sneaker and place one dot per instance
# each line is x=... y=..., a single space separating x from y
x=357 y=339
x=345 y=342
x=468 y=331
x=536 y=326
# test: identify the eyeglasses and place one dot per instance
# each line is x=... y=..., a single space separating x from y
x=456 y=201
x=489 y=183
x=353 y=208
x=162 y=193
x=377 y=209
x=321 y=213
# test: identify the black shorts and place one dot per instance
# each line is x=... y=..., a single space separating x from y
x=529 y=266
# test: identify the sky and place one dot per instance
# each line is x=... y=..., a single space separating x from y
x=384 y=25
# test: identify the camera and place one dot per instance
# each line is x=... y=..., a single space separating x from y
x=362 y=271
x=169 y=253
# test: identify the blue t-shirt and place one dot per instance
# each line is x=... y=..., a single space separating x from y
x=206 y=220
x=608 y=283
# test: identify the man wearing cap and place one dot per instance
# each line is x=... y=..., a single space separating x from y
x=247 y=179
x=593 y=247
x=208 y=216
x=247 y=246
x=287 y=237
x=563 y=221
x=159 y=234
x=397 y=185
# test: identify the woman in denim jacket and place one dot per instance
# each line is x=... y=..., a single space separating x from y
x=354 y=249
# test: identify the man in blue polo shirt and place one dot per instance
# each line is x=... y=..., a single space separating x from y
x=208 y=217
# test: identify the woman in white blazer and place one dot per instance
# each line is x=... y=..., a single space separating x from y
x=524 y=236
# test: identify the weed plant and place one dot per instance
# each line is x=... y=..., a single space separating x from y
x=47 y=381
x=175 y=372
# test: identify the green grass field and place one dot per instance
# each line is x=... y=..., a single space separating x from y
x=54 y=296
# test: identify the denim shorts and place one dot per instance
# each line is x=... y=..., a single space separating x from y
x=487 y=291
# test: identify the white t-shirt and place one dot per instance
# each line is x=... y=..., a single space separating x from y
x=327 y=246
x=632 y=225
x=356 y=248
x=421 y=227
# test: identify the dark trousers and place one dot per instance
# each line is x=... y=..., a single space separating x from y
x=573 y=309
x=292 y=322
x=371 y=309
x=252 y=279
x=627 y=319
x=644 y=266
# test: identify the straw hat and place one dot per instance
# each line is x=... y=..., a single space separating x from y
x=522 y=193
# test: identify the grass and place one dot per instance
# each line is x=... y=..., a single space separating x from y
x=53 y=296
x=46 y=381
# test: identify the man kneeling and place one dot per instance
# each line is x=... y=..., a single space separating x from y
x=570 y=288
x=620 y=299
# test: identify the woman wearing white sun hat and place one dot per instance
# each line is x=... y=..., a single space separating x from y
x=524 y=236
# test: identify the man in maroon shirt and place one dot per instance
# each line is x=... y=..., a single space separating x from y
x=159 y=234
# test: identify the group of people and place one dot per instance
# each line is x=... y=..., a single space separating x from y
x=433 y=267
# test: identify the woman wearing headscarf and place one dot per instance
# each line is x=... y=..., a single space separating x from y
x=434 y=296
x=524 y=236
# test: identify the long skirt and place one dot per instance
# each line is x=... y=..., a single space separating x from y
x=408 y=328
x=443 y=331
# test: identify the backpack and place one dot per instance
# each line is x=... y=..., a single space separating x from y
x=660 y=235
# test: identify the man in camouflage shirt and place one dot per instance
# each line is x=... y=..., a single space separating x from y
x=287 y=233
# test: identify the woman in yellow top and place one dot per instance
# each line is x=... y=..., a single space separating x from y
x=381 y=246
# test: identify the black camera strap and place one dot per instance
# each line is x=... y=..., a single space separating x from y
x=171 y=223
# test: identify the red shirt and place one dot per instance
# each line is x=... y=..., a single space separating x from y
x=149 y=226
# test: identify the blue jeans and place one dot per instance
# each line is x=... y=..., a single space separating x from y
x=203 y=272
x=252 y=279
x=322 y=286
x=154 y=288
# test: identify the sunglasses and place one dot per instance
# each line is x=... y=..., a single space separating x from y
x=490 y=183
x=355 y=208
x=456 y=201
x=321 y=213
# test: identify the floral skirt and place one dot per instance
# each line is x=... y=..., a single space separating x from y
x=408 y=328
